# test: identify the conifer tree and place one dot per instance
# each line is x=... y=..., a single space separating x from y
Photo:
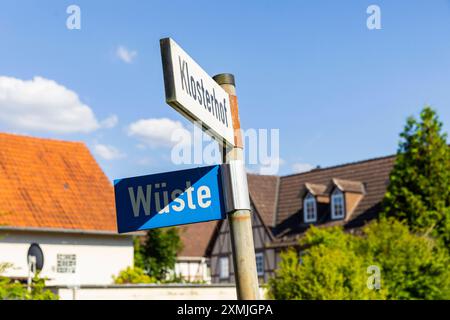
x=419 y=187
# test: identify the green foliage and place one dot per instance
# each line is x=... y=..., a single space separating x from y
x=138 y=253
x=412 y=266
x=4 y=266
x=287 y=284
x=38 y=291
x=419 y=188
x=178 y=278
x=159 y=253
x=11 y=290
x=335 y=265
x=409 y=244
x=133 y=275
x=330 y=269
x=14 y=290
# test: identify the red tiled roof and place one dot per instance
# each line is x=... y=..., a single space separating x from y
x=53 y=184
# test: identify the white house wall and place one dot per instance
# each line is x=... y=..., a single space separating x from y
x=98 y=257
x=192 y=269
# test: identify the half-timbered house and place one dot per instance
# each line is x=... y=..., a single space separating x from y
x=285 y=207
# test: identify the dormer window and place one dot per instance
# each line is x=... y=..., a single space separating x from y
x=337 y=204
x=310 y=208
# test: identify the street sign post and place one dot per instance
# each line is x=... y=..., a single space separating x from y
x=169 y=199
x=193 y=93
x=213 y=101
x=201 y=194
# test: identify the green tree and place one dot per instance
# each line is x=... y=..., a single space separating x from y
x=159 y=253
x=410 y=243
x=419 y=187
x=412 y=266
x=138 y=253
x=330 y=269
x=335 y=265
x=286 y=284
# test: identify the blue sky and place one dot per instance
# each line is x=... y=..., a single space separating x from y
x=337 y=91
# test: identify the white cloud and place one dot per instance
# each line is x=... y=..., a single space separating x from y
x=110 y=122
x=161 y=132
x=141 y=146
x=126 y=55
x=43 y=105
x=108 y=152
x=302 y=167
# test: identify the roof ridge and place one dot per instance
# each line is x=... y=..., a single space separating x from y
x=27 y=136
x=340 y=165
x=262 y=175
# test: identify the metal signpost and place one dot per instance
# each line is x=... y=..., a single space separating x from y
x=239 y=217
x=200 y=194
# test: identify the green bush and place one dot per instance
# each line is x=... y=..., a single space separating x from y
x=335 y=265
x=14 y=290
x=410 y=248
x=330 y=269
x=413 y=266
x=133 y=275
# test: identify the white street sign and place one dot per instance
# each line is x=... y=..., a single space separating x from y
x=193 y=93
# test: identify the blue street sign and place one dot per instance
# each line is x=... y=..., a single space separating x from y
x=169 y=199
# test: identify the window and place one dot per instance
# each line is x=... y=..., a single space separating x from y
x=310 y=208
x=337 y=204
x=66 y=263
x=224 y=271
x=260 y=263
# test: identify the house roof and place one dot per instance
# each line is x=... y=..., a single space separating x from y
x=53 y=185
x=371 y=176
x=314 y=189
x=195 y=238
x=279 y=201
x=263 y=194
x=348 y=186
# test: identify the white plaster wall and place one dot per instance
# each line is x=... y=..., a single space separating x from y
x=152 y=292
x=193 y=270
x=98 y=257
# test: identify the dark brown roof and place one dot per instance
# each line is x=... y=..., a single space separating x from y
x=372 y=175
x=263 y=194
x=195 y=238
x=278 y=200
